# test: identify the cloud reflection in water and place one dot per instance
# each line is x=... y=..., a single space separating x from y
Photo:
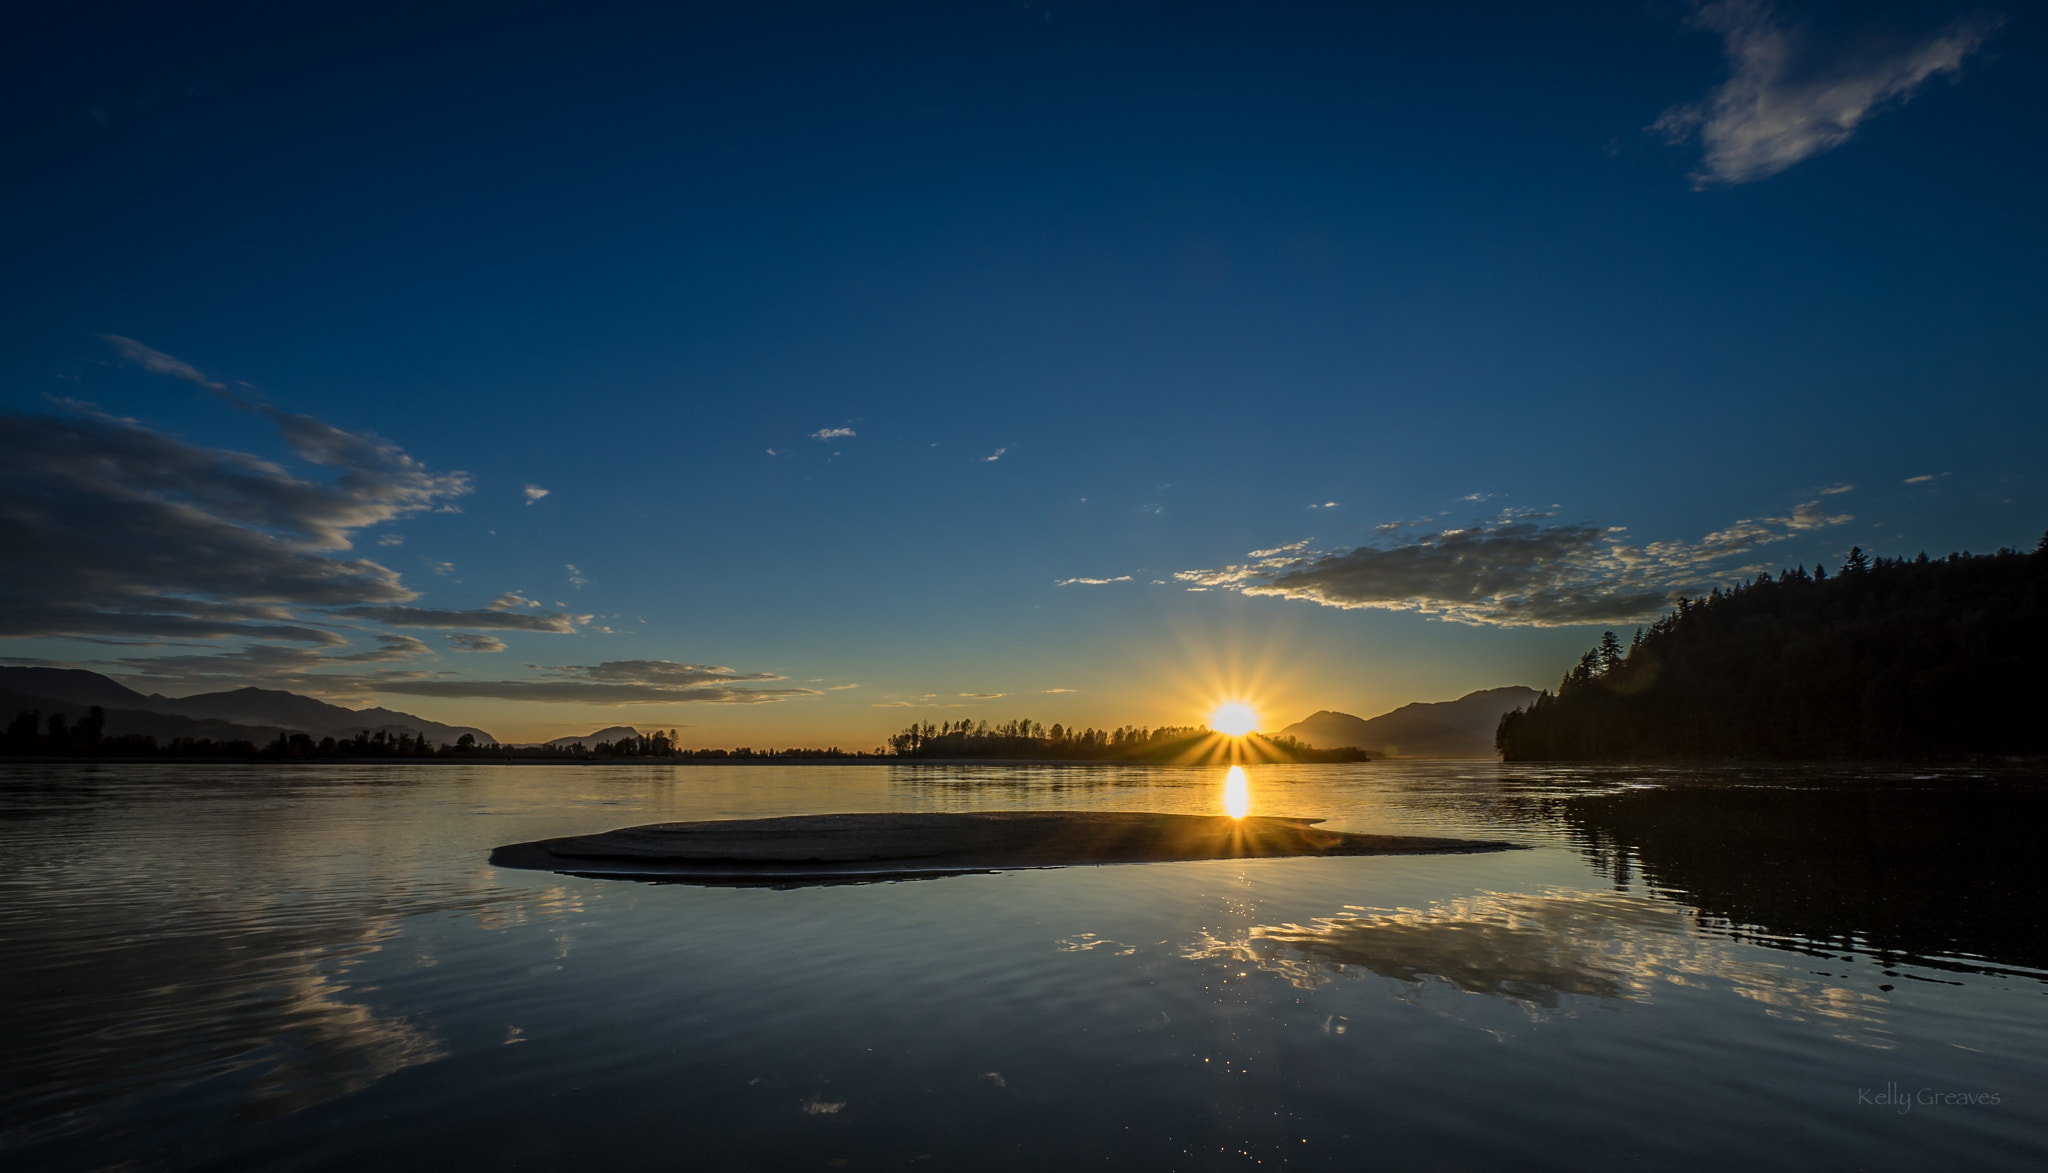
x=1541 y=949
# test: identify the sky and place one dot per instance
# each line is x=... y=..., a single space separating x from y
x=785 y=374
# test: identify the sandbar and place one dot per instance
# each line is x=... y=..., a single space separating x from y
x=824 y=849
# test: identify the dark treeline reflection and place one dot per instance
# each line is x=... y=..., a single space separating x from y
x=1886 y=659
x=1920 y=869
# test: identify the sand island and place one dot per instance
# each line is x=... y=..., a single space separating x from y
x=840 y=848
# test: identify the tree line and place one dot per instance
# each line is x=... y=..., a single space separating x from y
x=1887 y=658
x=968 y=738
x=30 y=734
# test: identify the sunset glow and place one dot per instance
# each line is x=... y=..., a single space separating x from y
x=1233 y=718
x=1237 y=793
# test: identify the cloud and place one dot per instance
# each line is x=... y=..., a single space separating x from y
x=440 y=568
x=893 y=705
x=615 y=682
x=827 y=434
x=1514 y=571
x=1062 y=690
x=992 y=457
x=469 y=642
x=1091 y=581
x=533 y=493
x=301 y=670
x=487 y=619
x=1788 y=97
x=1836 y=490
x=509 y=600
x=773 y=452
x=114 y=530
x=840 y=687
x=981 y=696
x=391 y=540
x=576 y=578
x=1922 y=479
x=157 y=362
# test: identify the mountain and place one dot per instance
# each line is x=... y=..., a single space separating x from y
x=614 y=734
x=304 y=714
x=1462 y=728
x=253 y=714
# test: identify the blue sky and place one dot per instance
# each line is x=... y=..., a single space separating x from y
x=1086 y=293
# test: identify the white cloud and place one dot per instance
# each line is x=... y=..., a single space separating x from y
x=981 y=696
x=1061 y=690
x=441 y=568
x=1513 y=571
x=391 y=540
x=1091 y=581
x=1786 y=100
x=1922 y=479
x=534 y=493
x=992 y=457
x=840 y=687
x=576 y=578
x=827 y=434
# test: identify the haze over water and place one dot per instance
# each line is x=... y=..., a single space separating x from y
x=314 y=968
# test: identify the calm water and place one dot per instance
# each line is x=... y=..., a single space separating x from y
x=314 y=968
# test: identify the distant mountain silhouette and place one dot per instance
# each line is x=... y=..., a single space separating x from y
x=615 y=734
x=1462 y=728
x=254 y=714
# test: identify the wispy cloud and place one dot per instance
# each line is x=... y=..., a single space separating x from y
x=981 y=696
x=486 y=619
x=576 y=578
x=615 y=682
x=992 y=457
x=391 y=540
x=1090 y=581
x=840 y=687
x=115 y=530
x=533 y=493
x=463 y=641
x=1922 y=479
x=1516 y=570
x=1061 y=690
x=1787 y=99
x=827 y=434
x=157 y=362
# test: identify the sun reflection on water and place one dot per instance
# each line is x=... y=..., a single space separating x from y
x=1237 y=793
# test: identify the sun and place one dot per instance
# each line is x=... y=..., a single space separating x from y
x=1233 y=718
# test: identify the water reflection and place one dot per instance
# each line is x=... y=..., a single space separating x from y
x=1237 y=793
x=1941 y=869
x=1542 y=949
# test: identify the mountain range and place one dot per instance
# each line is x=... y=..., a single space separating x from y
x=252 y=714
x=1462 y=728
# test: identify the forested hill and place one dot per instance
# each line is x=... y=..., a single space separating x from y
x=1885 y=659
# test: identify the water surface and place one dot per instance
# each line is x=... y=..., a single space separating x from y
x=313 y=967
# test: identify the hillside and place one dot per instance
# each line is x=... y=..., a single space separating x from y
x=1462 y=728
x=251 y=714
x=613 y=734
x=1887 y=659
